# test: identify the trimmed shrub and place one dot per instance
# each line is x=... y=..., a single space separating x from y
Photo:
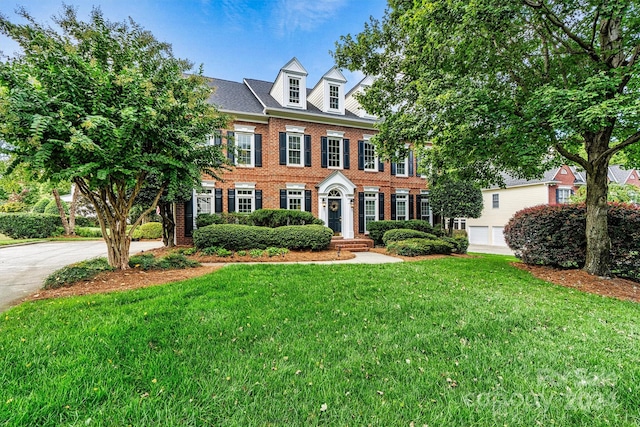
x=29 y=225
x=12 y=207
x=171 y=261
x=73 y=273
x=555 y=236
x=202 y=220
x=239 y=237
x=83 y=221
x=40 y=205
x=398 y=234
x=280 y=217
x=417 y=247
x=148 y=230
x=89 y=232
x=378 y=228
x=460 y=243
x=52 y=208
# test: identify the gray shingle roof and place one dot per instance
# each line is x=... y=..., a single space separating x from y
x=548 y=176
x=234 y=96
x=619 y=175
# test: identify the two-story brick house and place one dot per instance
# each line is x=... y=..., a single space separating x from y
x=306 y=149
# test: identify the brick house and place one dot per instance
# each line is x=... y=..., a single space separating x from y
x=306 y=149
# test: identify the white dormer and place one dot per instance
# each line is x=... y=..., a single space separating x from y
x=328 y=95
x=352 y=104
x=290 y=87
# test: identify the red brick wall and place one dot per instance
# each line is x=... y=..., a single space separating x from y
x=563 y=180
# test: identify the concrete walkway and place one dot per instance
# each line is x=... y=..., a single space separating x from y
x=490 y=249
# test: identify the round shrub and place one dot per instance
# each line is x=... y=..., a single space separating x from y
x=202 y=220
x=300 y=237
x=555 y=236
x=378 y=228
x=404 y=234
x=280 y=217
x=40 y=205
x=148 y=230
x=460 y=243
x=30 y=225
x=52 y=208
x=418 y=247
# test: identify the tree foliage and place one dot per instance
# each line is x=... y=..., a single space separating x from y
x=104 y=105
x=456 y=199
x=508 y=86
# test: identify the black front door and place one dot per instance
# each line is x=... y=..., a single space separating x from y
x=335 y=215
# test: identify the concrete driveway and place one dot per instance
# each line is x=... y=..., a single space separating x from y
x=23 y=268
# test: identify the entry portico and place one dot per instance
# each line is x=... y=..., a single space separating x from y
x=335 y=203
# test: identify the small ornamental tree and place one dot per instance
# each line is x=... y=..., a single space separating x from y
x=105 y=105
x=456 y=199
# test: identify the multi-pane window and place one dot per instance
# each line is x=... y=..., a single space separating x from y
x=401 y=168
x=294 y=200
x=370 y=209
x=334 y=99
x=245 y=200
x=459 y=224
x=495 y=201
x=425 y=209
x=401 y=207
x=244 y=147
x=370 y=161
x=204 y=201
x=294 y=90
x=563 y=195
x=334 y=152
x=294 y=150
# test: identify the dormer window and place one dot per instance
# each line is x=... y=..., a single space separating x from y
x=334 y=97
x=294 y=91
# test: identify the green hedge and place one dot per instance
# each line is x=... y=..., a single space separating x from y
x=460 y=243
x=148 y=230
x=89 y=232
x=281 y=217
x=378 y=228
x=398 y=234
x=417 y=247
x=243 y=237
x=29 y=225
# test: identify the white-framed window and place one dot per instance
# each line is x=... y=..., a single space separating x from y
x=295 y=200
x=402 y=208
x=402 y=167
x=425 y=208
x=370 y=209
x=334 y=97
x=204 y=199
x=245 y=200
x=563 y=194
x=294 y=149
x=370 y=158
x=495 y=201
x=459 y=223
x=244 y=148
x=334 y=152
x=294 y=90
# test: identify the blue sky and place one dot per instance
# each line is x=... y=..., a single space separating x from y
x=233 y=39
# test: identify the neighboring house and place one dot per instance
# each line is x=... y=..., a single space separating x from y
x=555 y=187
x=305 y=149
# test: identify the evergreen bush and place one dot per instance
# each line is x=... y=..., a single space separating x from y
x=148 y=230
x=52 y=208
x=418 y=247
x=242 y=237
x=40 y=205
x=378 y=228
x=398 y=234
x=30 y=225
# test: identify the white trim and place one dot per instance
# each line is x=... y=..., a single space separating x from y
x=244 y=128
x=245 y=185
x=296 y=186
x=371 y=189
x=294 y=129
x=252 y=147
x=367 y=137
x=402 y=191
x=335 y=133
x=208 y=184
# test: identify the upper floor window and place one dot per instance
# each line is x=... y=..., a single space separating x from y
x=294 y=90
x=334 y=151
x=334 y=97
x=495 y=201
x=402 y=167
x=245 y=148
x=370 y=160
x=294 y=150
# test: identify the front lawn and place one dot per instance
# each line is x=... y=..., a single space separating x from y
x=444 y=342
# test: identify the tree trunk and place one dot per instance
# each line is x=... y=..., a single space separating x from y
x=450 y=230
x=598 y=255
x=118 y=244
x=72 y=210
x=168 y=225
x=63 y=216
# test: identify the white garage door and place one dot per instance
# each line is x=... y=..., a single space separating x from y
x=479 y=235
x=498 y=236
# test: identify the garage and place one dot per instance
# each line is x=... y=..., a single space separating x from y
x=478 y=235
x=498 y=236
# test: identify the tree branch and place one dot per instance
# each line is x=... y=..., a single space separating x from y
x=631 y=140
x=570 y=156
x=146 y=212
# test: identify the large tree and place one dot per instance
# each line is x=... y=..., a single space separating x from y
x=104 y=105
x=508 y=85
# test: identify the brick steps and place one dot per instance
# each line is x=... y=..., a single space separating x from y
x=351 y=245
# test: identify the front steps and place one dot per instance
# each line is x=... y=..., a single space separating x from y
x=351 y=245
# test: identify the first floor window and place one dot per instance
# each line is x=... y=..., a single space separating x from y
x=459 y=224
x=244 y=144
x=425 y=208
x=334 y=152
x=564 y=194
x=204 y=201
x=370 y=161
x=245 y=200
x=495 y=200
x=402 y=213
x=370 y=209
x=294 y=200
x=294 y=150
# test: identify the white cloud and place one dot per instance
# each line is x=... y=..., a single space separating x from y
x=304 y=15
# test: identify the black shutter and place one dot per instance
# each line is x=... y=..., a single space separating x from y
x=361 y=212
x=411 y=206
x=307 y=150
x=188 y=218
x=283 y=148
x=360 y=155
x=418 y=206
x=323 y=151
x=393 y=207
x=231 y=200
x=410 y=163
x=258 y=143
x=380 y=166
x=381 y=207
x=307 y=200
x=345 y=143
x=258 y=199
x=393 y=168
x=557 y=197
x=283 y=199
x=231 y=147
x=218 y=203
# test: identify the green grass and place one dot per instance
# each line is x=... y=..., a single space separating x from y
x=6 y=240
x=447 y=342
